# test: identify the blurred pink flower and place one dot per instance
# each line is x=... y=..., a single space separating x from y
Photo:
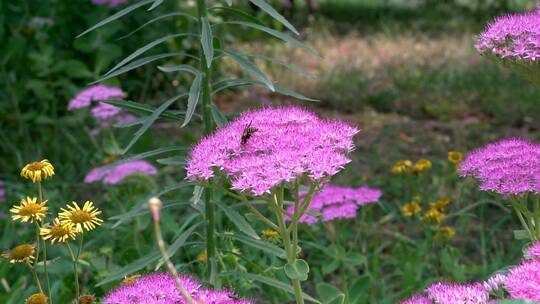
x=111 y=3
x=116 y=174
x=98 y=92
x=523 y=281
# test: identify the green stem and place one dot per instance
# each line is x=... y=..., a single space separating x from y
x=289 y=246
x=202 y=12
x=33 y=270
x=75 y=272
x=536 y=203
x=170 y=266
x=44 y=245
x=517 y=205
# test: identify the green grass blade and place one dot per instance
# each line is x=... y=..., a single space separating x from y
x=155 y=4
x=142 y=109
x=238 y=220
x=250 y=68
x=175 y=14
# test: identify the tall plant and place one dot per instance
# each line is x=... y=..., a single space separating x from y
x=211 y=48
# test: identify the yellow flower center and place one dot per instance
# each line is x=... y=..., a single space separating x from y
x=80 y=216
x=21 y=252
x=30 y=209
x=37 y=298
x=58 y=231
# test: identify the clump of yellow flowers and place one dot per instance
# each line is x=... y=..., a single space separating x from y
x=434 y=214
x=407 y=166
x=70 y=224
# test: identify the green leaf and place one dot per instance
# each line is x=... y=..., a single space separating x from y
x=148 y=259
x=172 y=161
x=229 y=2
x=155 y=4
x=521 y=234
x=179 y=68
x=277 y=34
x=250 y=68
x=286 y=64
x=239 y=13
x=232 y=83
x=142 y=205
x=138 y=63
x=297 y=270
x=139 y=108
x=112 y=18
x=272 y=282
x=148 y=121
x=262 y=245
x=73 y=68
x=218 y=117
x=329 y=294
x=144 y=49
x=157 y=19
x=193 y=99
x=238 y=220
x=207 y=41
x=331 y=266
x=272 y=12
x=359 y=290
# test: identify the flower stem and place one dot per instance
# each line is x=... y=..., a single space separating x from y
x=75 y=271
x=170 y=266
x=33 y=270
x=289 y=246
x=202 y=12
x=44 y=245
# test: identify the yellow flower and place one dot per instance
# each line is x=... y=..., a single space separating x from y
x=86 y=218
x=445 y=233
x=20 y=254
x=434 y=215
x=269 y=233
x=130 y=280
x=421 y=165
x=37 y=171
x=87 y=299
x=440 y=204
x=401 y=166
x=202 y=257
x=411 y=208
x=455 y=157
x=58 y=232
x=29 y=210
x=37 y=298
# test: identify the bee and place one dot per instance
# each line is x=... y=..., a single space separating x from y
x=248 y=132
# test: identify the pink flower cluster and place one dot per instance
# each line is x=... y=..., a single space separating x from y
x=507 y=167
x=160 y=288
x=533 y=252
x=495 y=282
x=523 y=281
x=265 y=148
x=111 y=3
x=451 y=293
x=2 y=191
x=116 y=174
x=515 y=36
x=336 y=202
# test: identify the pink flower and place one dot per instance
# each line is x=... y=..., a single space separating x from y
x=116 y=174
x=523 y=281
x=448 y=293
x=160 y=288
x=284 y=144
x=2 y=191
x=104 y=111
x=515 y=36
x=495 y=282
x=507 y=167
x=417 y=299
x=97 y=92
x=336 y=202
x=533 y=252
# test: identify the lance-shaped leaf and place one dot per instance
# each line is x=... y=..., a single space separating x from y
x=250 y=68
x=277 y=34
x=193 y=99
x=239 y=221
x=207 y=41
x=150 y=120
x=155 y=4
x=146 y=48
x=232 y=83
x=143 y=109
x=118 y=15
x=267 y=8
x=218 y=117
x=175 y=14
x=238 y=12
